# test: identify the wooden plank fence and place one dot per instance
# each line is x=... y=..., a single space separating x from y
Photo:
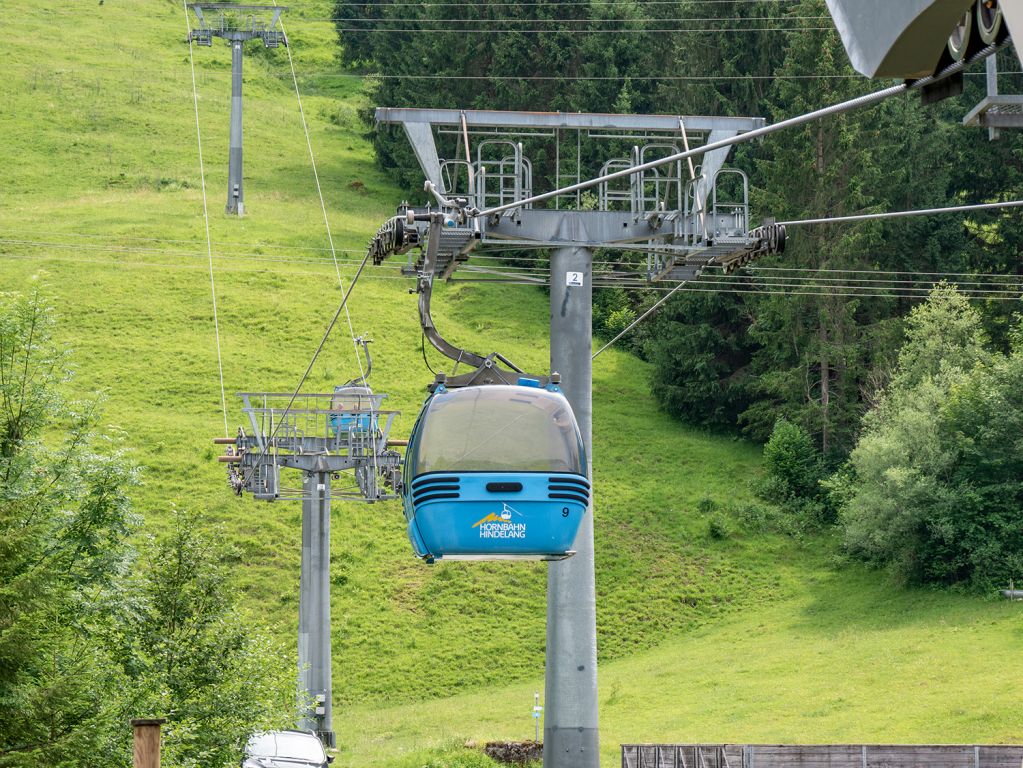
x=821 y=756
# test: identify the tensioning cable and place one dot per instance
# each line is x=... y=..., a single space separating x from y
x=865 y=100
x=330 y=238
x=837 y=220
x=206 y=219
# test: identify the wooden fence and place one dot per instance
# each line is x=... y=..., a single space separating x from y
x=820 y=756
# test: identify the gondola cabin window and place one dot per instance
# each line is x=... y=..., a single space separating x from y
x=499 y=429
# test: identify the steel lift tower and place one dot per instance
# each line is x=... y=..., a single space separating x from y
x=682 y=217
x=321 y=436
x=237 y=24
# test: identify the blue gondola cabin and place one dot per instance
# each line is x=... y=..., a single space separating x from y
x=352 y=411
x=495 y=472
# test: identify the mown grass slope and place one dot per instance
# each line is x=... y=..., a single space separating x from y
x=848 y=659
x=710 y=638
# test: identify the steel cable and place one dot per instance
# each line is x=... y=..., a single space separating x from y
x=206 y=219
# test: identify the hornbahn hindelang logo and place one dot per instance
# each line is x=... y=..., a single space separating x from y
x=501 y=525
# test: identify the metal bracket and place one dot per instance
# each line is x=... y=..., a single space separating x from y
x=486 y=369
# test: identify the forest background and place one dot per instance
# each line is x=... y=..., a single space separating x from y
x=728 y=360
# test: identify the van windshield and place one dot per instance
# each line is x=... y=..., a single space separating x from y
x=299 y=746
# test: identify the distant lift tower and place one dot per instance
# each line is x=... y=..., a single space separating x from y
x=237 y=24
x=324 y=437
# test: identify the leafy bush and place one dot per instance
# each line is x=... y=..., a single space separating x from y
x=618 y=320
x=718 y=528
x=938 y=481
x=755 y=518
x=613 y=312
x=794 y=472
x=770 y=488
x=770 y=518
x=705 y=506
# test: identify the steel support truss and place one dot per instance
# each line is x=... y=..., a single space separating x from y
x=238 y=23
x=321 y=436
x=682 y=217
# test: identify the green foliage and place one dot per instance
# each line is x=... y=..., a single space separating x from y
x=700 y=361
x=85 y=642
x=64 y=517
x=795 y=470
x=793 y=461
x=618 y=320
x=805 y=357
x=718 y=527
x=612 y=313
x=215 y=673
x=982 y=541
x=587 y=43
x=936 y=487
x=705 y=506
x=454 y=755
x=761 y=518
x=944 y=334
x=30 y=369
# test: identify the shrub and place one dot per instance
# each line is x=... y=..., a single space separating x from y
x=793 y=463
x=718 y=528
x=705 y=506
x=755 y=518
x=937 y=480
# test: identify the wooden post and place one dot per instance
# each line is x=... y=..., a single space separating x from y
x=147 y=742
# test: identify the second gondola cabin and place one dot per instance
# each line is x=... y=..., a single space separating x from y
x=495 y=472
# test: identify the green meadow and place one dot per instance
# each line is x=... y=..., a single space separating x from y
x=741 y=636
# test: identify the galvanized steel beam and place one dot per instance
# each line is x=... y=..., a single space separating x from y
x=314 y=667
x=491 y=118
x=571 y=733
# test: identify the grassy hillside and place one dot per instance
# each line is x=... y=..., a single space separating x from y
x=847 y=659
x=746 y=637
